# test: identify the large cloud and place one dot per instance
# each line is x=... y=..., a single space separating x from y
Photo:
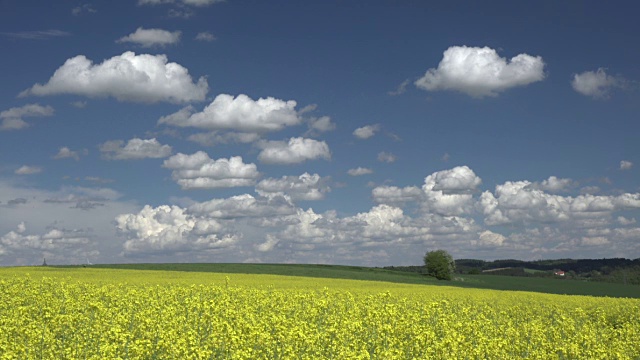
x=295 y=151
x=449 y=192
x=151 y=37
x=12 y=119
x=199 y=171
x=408 y=220
x=480 y=72
x=127 y=77
x=240 y=113
x=55 y=243
x=303 y=187
x=244 y=206
x=596 y=84
x=67 y=226
x=522 y=202
x=135 y=149
x=170 y=229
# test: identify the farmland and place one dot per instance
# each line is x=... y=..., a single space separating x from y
x=54 y=313
x=544 y=285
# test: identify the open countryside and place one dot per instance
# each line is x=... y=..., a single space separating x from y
x=95 y=313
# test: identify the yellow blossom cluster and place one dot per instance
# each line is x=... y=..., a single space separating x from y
x=114 y=314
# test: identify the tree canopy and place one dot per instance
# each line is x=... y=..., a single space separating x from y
x=439 y=264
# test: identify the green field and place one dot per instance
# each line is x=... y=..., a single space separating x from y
x=495 y=282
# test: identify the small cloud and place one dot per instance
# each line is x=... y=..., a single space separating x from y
x=386 y=157
x=402 y=88
x=79 y=104
x=589 y=190
x=18 y=201
x=394 y=137
x=199 y=171
x=294 y=151
x=83 y=9
x=625 y=165
x=66 y=153
x=12 y=118
x=152 y=37
x=36 y=35
x=359 y=171
x=185 y=2
x=28 y=170
x=97 y=179
x=205 y=36
x=366 y=132
x=308 y=108
x=182 y=13
x=134 y=149
x=321 y=124
x=625 y=221
x=596 y=84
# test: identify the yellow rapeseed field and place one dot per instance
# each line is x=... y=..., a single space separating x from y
x=88 y=313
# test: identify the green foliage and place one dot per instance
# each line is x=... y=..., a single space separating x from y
x=439 y=264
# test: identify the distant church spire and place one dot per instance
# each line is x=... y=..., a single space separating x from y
x=44 y=261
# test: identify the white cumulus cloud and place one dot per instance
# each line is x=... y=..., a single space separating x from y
x=55 y=242
x=303 y=187
x=386 y=157
x=480 y=72
x=489 y=239
x=321 y=124
x=366 y=131
x=295 y=151
x=205 y=36
x=625 y=165
x=135 y=149
x=28 y=170
x=596 y=84
x=449 y=192
x=199 y=171
x=554 y=184
x=240 y=113
x=12 y=119
x=151 y=37
x=127 y=77
x=66 y=153
x=359 y=171
x=520 y=202
x=245 y=205
x=171 y=229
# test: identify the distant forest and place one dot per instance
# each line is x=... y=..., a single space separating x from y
x=616 y=270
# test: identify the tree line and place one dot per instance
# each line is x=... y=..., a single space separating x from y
x=442 y=266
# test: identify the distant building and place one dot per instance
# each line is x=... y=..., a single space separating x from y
x=559 y=272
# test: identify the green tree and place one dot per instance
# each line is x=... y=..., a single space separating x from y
x=439 y=264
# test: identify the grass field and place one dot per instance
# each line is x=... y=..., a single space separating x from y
x=494 y=282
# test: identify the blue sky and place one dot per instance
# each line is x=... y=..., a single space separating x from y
x=317 y=132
